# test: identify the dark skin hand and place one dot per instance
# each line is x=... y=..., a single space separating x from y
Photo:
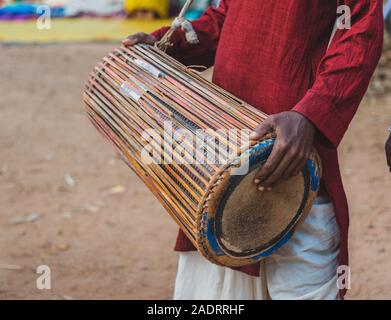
x=388 y=151
x=139 y=38
x=294 y=139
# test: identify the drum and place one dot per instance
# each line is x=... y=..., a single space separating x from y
x=187 y=139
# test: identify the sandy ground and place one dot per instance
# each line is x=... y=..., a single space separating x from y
x=69 y=203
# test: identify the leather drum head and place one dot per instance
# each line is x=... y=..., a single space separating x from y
x=239 y=224
x=251 y=221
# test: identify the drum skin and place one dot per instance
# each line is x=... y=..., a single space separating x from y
x=210 y=222
x=232 y=223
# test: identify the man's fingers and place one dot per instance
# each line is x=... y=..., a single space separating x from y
x=298 y=170
x=261 y=130
x=277 y=173
x=296 y=165
x=283 y=166
x=150 y=39
x=128 y=42
x=139 y=38
x=131 y=40
x=291 y=169
x=271 y=164
x=294 y=140
x=301 y=166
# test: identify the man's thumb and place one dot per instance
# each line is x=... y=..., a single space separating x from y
x=261 y=130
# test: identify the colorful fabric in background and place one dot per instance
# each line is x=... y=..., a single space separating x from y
x=21 y=10
x=65 y=8
x=160 y=7
x=94 y=7
x=86 y=24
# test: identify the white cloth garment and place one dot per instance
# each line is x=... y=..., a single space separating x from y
x=305 y=268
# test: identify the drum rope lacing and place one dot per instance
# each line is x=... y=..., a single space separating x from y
x=179 y=22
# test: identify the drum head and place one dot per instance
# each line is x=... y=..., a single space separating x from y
x=251 y=221
x=251 y=224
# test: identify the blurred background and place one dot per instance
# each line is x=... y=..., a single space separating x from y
x=67 y=201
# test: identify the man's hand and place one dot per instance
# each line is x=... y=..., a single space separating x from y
x=139 y=38
x=294 y=140
x=388 y=151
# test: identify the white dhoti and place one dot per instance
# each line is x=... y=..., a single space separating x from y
x=304 y=268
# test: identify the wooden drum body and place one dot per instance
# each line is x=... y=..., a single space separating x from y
x=134 y=93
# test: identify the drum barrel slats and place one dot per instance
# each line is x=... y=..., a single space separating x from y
x=187 y=182
x=210 y=108
x=254 y=115
x=169 y=196
x=179 y=179
x=174 y=210
x=187 y=146
x=209 y=116
x=141 y=114
x=213 y=115
x=133 y=126
x=195 y=187
x=185 y=156
x=107 y=116
x=199 y=116
x=119 y=144
x=185 y=123
x=98 y=123
x=124 y=101
x=184 y=108
x=221 y=138
x=176 y=194
x=172 y=199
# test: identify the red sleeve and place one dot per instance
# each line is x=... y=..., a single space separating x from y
x=344 y=72
x=208 y=28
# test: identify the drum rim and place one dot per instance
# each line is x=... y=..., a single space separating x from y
x=207 y=241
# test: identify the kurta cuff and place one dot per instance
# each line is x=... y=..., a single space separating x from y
x=321 y=112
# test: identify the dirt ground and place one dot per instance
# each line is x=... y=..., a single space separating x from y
x=69 y=203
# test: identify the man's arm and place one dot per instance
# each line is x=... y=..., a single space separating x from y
x=208 y=28
x=341 y=81
x=345 y=71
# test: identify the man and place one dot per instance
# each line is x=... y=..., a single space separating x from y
x=277 y=56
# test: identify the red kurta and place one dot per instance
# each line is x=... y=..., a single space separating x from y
x=272 y=54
